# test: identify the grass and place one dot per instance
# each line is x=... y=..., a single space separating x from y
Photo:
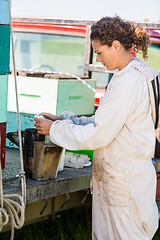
x=73 y=224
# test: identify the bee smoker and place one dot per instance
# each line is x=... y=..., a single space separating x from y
x=30 y=136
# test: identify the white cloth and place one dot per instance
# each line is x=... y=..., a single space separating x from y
x=122 y=135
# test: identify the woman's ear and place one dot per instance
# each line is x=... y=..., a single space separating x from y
x=116 y=44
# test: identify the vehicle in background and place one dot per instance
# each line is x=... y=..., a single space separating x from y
x=42 y=45
x=49 y=45
x=154 y=50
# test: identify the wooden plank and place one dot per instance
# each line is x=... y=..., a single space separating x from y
x=150 y=25
x=52 y=21
x=97 y=68
x=88 y=52
x=67 y=181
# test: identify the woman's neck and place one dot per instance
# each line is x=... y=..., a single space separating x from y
x=126 y=58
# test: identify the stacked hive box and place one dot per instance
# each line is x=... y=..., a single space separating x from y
x=4 y=70
x=38 y=95
x=53 y=94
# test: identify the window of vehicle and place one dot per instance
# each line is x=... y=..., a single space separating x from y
x=37 y=51
x=153 y=50
x=153 y=56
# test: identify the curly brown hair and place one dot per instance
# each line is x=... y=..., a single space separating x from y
x=129 y=34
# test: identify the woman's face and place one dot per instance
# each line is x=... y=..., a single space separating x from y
x=106 y=55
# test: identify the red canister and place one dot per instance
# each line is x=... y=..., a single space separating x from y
x=2 y=143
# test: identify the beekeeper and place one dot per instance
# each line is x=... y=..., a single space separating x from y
x=121 y=133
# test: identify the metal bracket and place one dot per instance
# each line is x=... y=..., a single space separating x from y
x=66 y=200
x=86 y=195
x=44 y=207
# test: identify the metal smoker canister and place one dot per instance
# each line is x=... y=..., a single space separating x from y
x=30 y=136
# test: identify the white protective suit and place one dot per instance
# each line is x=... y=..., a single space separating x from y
x=123 y=136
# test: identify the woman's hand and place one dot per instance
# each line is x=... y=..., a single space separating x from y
x=51 y=116
x=42 y=125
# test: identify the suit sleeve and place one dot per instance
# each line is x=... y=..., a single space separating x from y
x=77 y=120
x=116 y=107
